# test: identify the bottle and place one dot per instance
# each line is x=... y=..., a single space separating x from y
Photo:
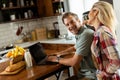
x=27 y=3
x=60 y=9
x=22 y=2
x=33 y=35
x=31 y=3
x=26 y=15
x=10 y=4
x=30 y=13
x=28 y=59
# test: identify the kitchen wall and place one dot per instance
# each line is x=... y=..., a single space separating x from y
x=8 y=30
x=80 y=6
x=117 y=10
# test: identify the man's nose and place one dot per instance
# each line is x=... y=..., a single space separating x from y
x=70 y=25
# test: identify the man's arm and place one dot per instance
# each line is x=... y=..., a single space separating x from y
x=75 y=60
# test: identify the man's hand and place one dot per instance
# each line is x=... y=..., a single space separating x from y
x=52 y=58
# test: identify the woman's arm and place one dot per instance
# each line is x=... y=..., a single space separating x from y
x=109 y=47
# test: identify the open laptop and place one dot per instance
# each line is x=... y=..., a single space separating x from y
x=39 y=55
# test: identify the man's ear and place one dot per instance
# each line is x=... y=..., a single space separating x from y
x=78 y=20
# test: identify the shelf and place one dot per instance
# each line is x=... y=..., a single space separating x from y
x=57 y=1
x=27 y=6
x=18 y=10
x=8 y=8
x=19 y=20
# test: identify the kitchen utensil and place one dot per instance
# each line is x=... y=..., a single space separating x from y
x=41 y=33
x=19 y=30
x=56 y=28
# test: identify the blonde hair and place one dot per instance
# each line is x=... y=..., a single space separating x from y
x=106 y=14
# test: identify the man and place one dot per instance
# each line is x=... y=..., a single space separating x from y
x=82 y=56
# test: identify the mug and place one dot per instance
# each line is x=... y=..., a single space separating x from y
x=12 y=17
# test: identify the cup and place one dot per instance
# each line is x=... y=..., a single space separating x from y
x=26 y=15
x=12 y=17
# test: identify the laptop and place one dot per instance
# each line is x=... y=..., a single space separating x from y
x=38 y=54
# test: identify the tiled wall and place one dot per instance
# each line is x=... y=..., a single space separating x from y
x=8 y=30
x=62 y=27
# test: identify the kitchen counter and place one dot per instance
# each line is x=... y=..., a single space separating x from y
x=50 y=41
x=58 y=41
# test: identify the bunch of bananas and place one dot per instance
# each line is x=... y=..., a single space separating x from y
x=15 y=52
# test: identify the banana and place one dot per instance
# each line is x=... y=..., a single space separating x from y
x=15 y=52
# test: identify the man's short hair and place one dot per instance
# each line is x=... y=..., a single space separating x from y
x=65 y=15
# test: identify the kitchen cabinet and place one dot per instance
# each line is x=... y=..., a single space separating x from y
x=15 y=10
x=50 y=7
x=52 y=48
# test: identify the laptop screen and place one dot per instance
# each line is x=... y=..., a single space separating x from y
x=37 y=52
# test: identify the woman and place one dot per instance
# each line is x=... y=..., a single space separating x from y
x=104 y=46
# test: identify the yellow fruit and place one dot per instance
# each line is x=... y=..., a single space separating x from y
x=21 y=53
x=9 y=54
x=21 y=50
x=15 y=52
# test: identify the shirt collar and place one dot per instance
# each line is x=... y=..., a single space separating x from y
x=80 y=31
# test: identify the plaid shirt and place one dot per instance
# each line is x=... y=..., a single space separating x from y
x=104 y=49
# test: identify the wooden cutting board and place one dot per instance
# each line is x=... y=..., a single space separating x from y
x=41 y=33
x=12 y=73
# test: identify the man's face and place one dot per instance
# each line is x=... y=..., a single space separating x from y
x=72 y=24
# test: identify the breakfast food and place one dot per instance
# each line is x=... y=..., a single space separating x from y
x=16 y=59
x=17 y=62
x=15 y=66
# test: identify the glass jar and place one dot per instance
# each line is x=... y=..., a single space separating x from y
x=28 y=59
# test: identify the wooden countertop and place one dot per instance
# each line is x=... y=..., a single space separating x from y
x=35 y=72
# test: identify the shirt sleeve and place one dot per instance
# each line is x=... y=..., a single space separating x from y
x=109 y=46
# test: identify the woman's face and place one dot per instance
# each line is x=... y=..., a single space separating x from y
x=92 y=16
x=72 y=24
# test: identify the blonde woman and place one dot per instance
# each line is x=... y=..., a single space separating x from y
x=104 y=46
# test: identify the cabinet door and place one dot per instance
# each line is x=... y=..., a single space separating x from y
x=48 y=8
x=50 y=46
x=41 y=8
x=62 y=47
x=45 y=8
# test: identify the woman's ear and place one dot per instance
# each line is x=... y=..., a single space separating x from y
x=95 y=12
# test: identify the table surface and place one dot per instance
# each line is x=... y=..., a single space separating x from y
x=33 y=73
